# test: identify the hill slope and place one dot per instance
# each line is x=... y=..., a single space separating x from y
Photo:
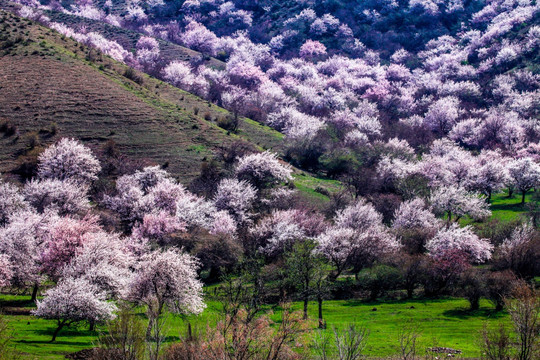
x=48 y=79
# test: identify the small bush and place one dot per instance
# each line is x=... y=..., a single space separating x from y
x=323 y=191
x=228 y=123
x=33 y=139
x=132 y=75
x=7 y=127
x=378 y=280
x=54 y=128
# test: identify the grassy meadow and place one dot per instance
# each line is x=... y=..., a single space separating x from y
x=442 y=322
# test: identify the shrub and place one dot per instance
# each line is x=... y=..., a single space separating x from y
x=496 y=343
x=499 y=285
x=132 y=75
x=124 y=338
x=473 y=286
x=229 y=123
x=7 y=127
x=378 y=280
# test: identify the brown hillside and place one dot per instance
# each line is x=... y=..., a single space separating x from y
x=46 y=79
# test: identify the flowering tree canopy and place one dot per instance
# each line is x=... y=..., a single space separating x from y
x=73 y=301
x=262 y=168
x=68 y=160
x=462 y=239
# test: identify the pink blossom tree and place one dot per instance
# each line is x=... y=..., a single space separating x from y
x=197 y=37
x=68 y=160
x=64 y=240
x=73 y=301
x=245 y=75
x=357 y=238
x=148 y=53
x=156 y=227
x=312 y=50
x=442 y=114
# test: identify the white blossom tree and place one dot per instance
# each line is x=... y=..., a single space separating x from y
x=68 y=160
x=236 y=197
x=414 y=214
x=525 y=174
x=167 y=279
x=11 y=201
x=462 y=239
x=456 y=202
x=105 y=262
x=73 y=301
x=262 y=169
x=63 y=196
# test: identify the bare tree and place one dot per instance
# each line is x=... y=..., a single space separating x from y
x=408 y=337
x=351 y=342
x=524 y=310
x=496 y=343
x=124 y=338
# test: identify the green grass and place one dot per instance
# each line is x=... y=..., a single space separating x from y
x=310 y=186
x=505 y=208
x=444 y=322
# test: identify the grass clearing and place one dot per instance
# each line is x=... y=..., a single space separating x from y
x=443 y=322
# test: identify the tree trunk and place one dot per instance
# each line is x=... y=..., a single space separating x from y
x=34 y=292
x=321 y=322
x=475 y=304
x=149 y=328
x=92 y=325
x=410 y=292
x=190 y=332
x=523 y=197
x=60 y=326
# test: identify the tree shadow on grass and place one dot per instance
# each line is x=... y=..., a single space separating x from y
x=23 y=302
x=66 y=331
x=360 y=302
x=464 y=313
x=515 y=207
x=58 y=341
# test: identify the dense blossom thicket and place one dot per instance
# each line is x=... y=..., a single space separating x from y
x=423 y=110
x=351 y=89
